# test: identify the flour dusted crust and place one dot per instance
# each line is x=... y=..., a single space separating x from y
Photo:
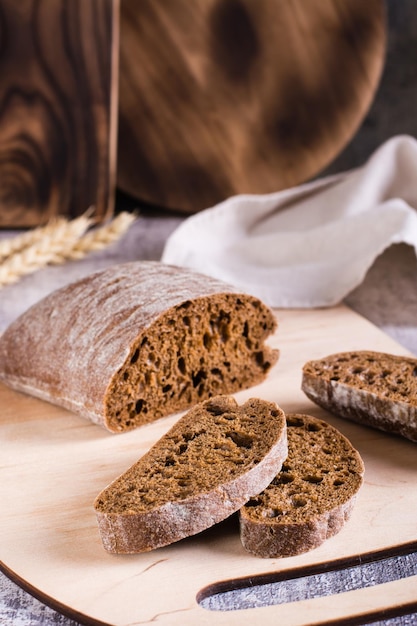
x=204 y=469
x=132 y=343
x=312 y=496
x=372 y=388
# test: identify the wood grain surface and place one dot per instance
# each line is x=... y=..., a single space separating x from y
x=220 y=97
x=58 y=115
x=217 y=97
x=53 y=464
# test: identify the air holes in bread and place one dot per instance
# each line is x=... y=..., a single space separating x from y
x=372 y=388
x=144 y=330
x=306 y=492
x=197 y=474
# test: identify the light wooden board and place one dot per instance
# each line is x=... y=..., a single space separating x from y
x=53 y=463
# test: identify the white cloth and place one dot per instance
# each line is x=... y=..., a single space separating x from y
x=308 y=246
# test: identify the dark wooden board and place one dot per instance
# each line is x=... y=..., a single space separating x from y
x=220 y=97
x=216 y=97
x=58 y=108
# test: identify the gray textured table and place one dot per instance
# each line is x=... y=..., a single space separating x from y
x=387 y=297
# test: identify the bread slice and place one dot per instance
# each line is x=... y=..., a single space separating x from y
x=138 y=341
x=312 y=496
x=204 y=469
x=371 y=388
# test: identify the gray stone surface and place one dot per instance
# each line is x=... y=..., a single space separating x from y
x=387 y=297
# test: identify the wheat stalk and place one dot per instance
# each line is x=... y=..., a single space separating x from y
x=8 y=247
x=96 y=239
x=59 y=241
x=62 y=235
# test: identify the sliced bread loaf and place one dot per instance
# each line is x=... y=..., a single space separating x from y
x=204 y=469
x=312 y=496
x=371 y=388
x=138 y=341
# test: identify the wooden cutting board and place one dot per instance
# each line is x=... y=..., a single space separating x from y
x=53 y=463
x=221 y=97
x=210 y=98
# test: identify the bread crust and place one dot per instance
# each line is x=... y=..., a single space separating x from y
x=375 y=389
x=76 y=347
x=134 y=516
x=310 y=499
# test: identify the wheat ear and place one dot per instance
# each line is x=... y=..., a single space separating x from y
x=96 y=239
x=57 y=242
x=57 y=238
x=19 y=242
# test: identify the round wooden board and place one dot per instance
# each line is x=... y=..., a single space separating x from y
x=222 y=97
x=54 y=463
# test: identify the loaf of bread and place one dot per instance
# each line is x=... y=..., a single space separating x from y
x=371 y=388
x=138 y=341
x=312 y=496
x=216 y=457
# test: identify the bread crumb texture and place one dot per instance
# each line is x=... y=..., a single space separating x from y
x=198 y=349
x=372 y=388
x=204 y=469
x=312 y=496
x=138 y=341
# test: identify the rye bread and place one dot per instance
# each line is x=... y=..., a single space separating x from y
x=216 y=457
x=138 y=341
x=312 y=496
x=371 y=388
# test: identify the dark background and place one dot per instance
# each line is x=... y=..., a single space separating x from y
x=394 y=110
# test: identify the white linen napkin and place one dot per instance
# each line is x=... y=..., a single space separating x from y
x=308 y=246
